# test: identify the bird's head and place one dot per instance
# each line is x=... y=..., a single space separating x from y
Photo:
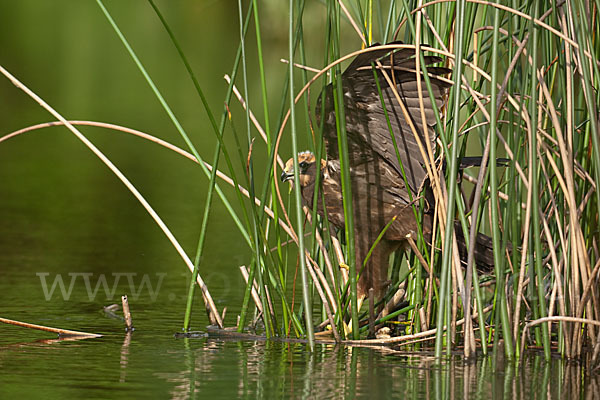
x=306 y=163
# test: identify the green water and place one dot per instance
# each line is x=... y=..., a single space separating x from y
x=63 y=216
x=156 y=365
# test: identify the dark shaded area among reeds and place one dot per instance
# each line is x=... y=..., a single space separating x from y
x=525 y=89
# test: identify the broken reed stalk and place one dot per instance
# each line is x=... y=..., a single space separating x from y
x=127 y=314
x=60 y=332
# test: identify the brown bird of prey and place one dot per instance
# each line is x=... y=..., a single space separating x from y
x=380 y=192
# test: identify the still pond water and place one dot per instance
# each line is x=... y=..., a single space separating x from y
x=151 y=363
x=65 y=219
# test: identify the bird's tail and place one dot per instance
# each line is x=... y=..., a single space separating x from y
x=477 y=161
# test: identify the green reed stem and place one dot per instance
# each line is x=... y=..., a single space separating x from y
x=299 y=215
x=498 y=252
x=534 y=185
x=219 y=132
x=446 y=258
x=171 y=115
x=269 y=328
x=585 y=42
x=389 y=317
x=340 y=116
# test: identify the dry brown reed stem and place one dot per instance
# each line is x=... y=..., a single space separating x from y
x=416 y=251
x=156 y=140
x=254 y=292
x=297 y=65
x=594 y=276
x=589 y=288
x=567 y=182
x=431 y=280
x=569 y=146
x=109 y=164
x=469 y=347
x=352 y=22
x=596 y=357
x=558 y=286
x=561 y=232
x=339 y=255
x=436 y=34
x=579 y=261
x=537 y=21
x=269 y=302
x=327 y=261
x=556 y=319
x=127 y=314
x=310 y=265
x=60 y=332
x=257 y=124
x=423 y=318
x=323 y=282
x=399 y=295
x=555 y=267
x=430 y=334
x=457 y=280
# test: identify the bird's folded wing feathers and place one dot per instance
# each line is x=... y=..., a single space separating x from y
x=366 y=122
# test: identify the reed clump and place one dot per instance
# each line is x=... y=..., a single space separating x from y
x=525 y=88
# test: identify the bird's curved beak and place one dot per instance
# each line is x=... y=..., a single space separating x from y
x=287 y=174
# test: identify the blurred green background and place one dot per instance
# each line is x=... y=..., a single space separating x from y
x=61 y=209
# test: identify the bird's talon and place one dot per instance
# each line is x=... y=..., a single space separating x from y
x=345 y=266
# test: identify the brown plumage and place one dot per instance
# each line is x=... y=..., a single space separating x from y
x=379 y=191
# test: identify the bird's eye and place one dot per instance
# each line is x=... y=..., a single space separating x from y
x=303 y=164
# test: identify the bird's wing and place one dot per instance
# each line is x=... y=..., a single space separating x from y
x=366 y=123
x=378 y=196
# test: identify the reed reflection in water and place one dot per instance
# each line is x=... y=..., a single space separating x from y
x=268 y=370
